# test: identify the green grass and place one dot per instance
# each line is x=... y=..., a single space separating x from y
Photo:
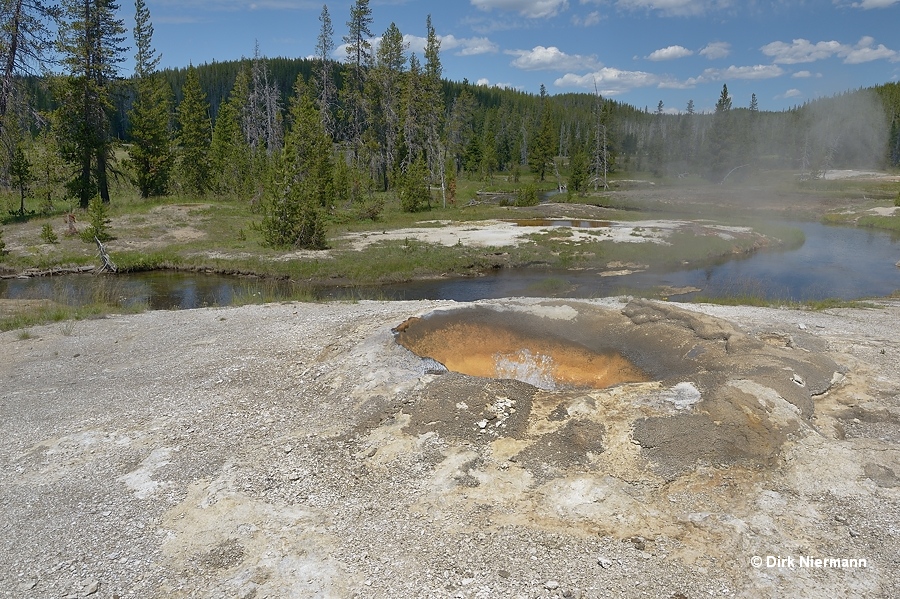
x=42 y=315
x=888 y=223
x=221 y=235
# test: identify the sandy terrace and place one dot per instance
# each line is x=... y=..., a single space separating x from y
x=498 y=233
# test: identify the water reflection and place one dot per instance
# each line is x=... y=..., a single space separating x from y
x=834 y=262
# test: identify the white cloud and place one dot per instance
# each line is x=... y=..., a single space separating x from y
x=486 y=83
x=755 y=72
x=802 y=75
x=540 y=58
x=609 y=81
x=670 y=53
x=590 y=19
x=464 y=46
x=869 y=4
x=803 y=51
x=716 y=50
x=791 y=93
x=760 y=71
x=675 y=8
x=865 y=52
x=471 y=46
x=675 y=84
x=533 y=9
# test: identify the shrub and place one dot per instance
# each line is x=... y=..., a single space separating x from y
x=292 y=218
x=48 y=235
x=415 y=196
x=370 y=209
x=527 y=196
x=897 y=200
x=99 y=222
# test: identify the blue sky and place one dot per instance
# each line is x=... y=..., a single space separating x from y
x=636 y=51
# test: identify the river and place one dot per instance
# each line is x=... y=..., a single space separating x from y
x=834 y=262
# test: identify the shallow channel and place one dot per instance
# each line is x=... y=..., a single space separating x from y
x=834 y=262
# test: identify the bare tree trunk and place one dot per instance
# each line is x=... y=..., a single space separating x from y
x=102 y=178
x=107 y=264
x=10 y=66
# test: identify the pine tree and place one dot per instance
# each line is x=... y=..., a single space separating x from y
x=50 y=171
x=434 y=100
x=359 y=57
x=414 y=192
x=194 y=136
x=723 y=105
x=459 y=127
x=151 y=152
x=307 y=149
x=578 y=169
x=324 y=73
x=302 y=182
x=26 y=43
x=98 y=219
x=290 y=217
x=720 y=138
x=90 y=38
x=601 y=157
x=543 y=146
x=229 y=152
x=385 y=82
x=21 y=176
x=489 y=163
x=414 y=105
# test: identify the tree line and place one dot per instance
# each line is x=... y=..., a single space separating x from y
x=299 y=138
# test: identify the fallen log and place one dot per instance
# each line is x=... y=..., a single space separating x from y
x=49 y=272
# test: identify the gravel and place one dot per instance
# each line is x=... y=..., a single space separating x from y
x=274 y=451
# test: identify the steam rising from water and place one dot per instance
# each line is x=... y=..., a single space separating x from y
x=534 y=369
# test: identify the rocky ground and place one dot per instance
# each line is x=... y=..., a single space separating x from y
x=296 y=450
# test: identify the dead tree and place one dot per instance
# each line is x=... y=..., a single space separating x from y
x=107 y=265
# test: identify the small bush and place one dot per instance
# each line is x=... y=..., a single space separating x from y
x=415 y=196
x=370 y=209
x=48 y=235
x=292 y=218
x=2 y=244
x=527 y=196
x=897 y=200
x=99 y=222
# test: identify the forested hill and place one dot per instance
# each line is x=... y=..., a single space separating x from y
x=847 y=130
x=217 y=80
